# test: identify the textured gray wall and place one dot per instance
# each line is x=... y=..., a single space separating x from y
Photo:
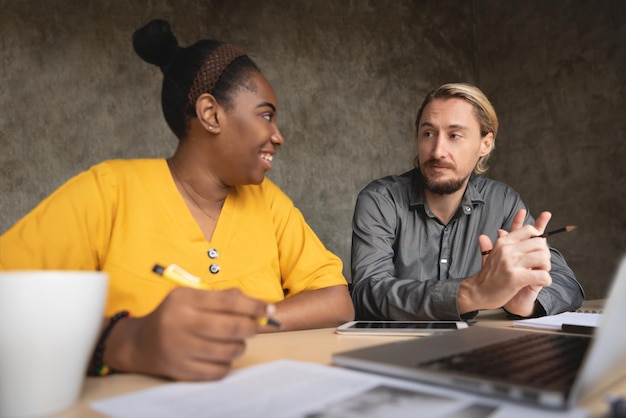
x=349 y=75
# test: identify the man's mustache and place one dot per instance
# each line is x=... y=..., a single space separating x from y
x=438 y=163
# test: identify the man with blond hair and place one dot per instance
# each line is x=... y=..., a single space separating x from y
x=444 y=242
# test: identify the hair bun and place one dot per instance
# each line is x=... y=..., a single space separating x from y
x=156 y=44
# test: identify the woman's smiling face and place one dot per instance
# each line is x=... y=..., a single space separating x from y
x=250 y=136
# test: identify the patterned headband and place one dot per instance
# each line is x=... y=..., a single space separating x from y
x=211 y=70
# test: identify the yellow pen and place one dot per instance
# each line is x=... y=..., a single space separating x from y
x=179 y=276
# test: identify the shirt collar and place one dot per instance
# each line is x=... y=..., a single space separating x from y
x=471 y=198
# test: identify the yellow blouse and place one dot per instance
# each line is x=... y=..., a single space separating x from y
x=125 y=216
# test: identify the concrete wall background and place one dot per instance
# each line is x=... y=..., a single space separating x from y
x=349 y=76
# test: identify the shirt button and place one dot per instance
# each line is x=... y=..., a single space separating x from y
x=467 y=209
x=214 y=268
x=444 y=261
x=213 y=253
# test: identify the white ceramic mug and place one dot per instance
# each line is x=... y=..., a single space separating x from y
x=49 y=325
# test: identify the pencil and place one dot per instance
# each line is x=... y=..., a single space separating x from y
x=179 y=276
x=567 y=228
x=556 y=231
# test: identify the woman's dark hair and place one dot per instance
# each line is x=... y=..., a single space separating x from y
x=156 y=44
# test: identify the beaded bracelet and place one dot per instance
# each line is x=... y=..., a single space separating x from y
x=97 y=366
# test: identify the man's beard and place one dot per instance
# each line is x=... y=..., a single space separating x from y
x=441 y=187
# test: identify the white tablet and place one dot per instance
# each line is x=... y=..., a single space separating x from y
x=399 y=327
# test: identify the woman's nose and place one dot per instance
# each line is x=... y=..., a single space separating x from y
x=277 y=138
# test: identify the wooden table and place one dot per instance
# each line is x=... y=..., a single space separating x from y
x=315 y=346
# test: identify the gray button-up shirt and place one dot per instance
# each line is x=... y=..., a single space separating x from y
x=408 y=265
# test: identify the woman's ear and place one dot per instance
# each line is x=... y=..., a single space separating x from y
x=207 y=110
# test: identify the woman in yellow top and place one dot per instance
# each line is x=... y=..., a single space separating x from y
x=208 y=208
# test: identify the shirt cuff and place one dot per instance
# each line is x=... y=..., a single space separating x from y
x=445 y=300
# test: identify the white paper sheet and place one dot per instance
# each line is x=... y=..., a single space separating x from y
x=289 y=389
x=554 y=322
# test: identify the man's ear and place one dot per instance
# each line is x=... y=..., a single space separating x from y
x=207 y=111
x=486 y=144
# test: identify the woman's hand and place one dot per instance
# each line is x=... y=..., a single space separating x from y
x=192 y=335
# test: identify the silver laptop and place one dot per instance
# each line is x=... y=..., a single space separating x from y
x=555 y=370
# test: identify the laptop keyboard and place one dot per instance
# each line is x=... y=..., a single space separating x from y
x=548 y=361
